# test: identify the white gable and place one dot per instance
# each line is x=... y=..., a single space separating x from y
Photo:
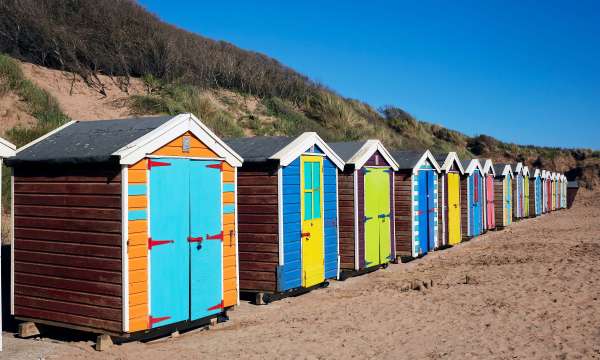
x=369 y=148
x=297 y=147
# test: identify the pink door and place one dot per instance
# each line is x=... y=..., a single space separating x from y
x=491 y=220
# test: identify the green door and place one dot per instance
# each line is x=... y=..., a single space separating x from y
x=377 y=216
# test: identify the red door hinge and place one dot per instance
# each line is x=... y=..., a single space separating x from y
x=219 y=236
x=153 y=243
x=195 y=239
x=217 y=307
x=152 y=163
x=216 y=166
x=153 y=320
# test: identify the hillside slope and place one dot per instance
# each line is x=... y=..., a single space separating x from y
x=117 y=59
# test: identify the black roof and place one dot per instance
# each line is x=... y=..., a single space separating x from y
x=347 y=149
x=499 y=168
x=88 y=141
x=258 y=148
x=407 y=159
x=441 y=157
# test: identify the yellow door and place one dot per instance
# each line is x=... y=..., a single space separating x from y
x=453 y=209
x=313 y=247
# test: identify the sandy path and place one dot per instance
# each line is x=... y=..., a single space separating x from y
x=534 y=294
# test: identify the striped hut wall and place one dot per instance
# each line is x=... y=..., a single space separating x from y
x=464 y=207
x=230 y=291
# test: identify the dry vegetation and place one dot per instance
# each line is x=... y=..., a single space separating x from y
x=108 y=44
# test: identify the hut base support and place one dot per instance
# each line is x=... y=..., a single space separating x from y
x=28 y=329
x=264 y=298
x=103 y=342
x=348 y=273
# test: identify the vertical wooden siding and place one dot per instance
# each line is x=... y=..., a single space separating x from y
x=402 y=216
x=258 y=228
x=443 y=209
x=464 y=207
x=499 y=202
x=67 y=245
x=347 y=231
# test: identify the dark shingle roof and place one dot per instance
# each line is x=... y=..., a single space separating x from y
x=89 y=141
x=346 y=150
x=407 y=159
x=499 y=168
x=258 y=148
x=440 y=158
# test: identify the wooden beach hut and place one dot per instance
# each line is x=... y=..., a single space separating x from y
x=564 y=198
x=535 y=199
x=518 y=191
x=489 y=214
x=526 y=192
x=416 y=203
x=125 y=226
x=472 y=199
x=366 y=206
x=547 y=192
x=449 y=213
x=553 y=189
x=6 y=150
x=288 y=214
x=503 y=193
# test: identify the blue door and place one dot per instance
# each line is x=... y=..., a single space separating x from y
x=206 y=239
x=426 y=211
x=475 y=190
x=168 y=245
x=538 y=196
x=508 y=194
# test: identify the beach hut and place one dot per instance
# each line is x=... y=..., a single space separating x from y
x=6 y=150
x=472 y=199
x=366 y=206
x=288 y=214
x=489 y=214
x=503 y=193
x=415 y=203
x=526 y=193
x=518 y=191
x=553 y=189
x=125 y=226
x=548 y=189
x=565 y=191
x=535 y=199
x=449 y=214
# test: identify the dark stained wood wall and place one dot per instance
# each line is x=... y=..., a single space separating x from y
x=464 y=207
x=346 y=211
x=402 y=216
x=499 y=201
x=360 y=189
x=532 y=197
x=67 y=245
x=258 y=228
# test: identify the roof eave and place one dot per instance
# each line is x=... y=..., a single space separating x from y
x=297 y=147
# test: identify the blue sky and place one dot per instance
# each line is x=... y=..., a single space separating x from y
x=523 y=71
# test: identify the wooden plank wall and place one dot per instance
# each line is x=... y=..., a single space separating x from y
x=67 y=245
x=499 y=204
x=464 y=207
x=403 y=218
x=443 y=209
x=346 y=210
x=258 y=228
x=532 y=196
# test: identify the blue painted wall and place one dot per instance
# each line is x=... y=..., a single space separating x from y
x=331 y=234
x=290 y=273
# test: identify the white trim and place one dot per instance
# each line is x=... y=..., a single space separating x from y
x=6 y=149
x=426 y=156
x=46 y=135
x=393 y=200
x=525 y=170
x=474 y=164
x=413 y=232
x=237 y=239
x=124 y=245
x=444 y=209
x=370 y=147
x=185 y=157
x=299 y=146
x=519 y=168
x=0 y=254
x=356 y=239
x=169 y=131
x=280 y=214
x=148 y=227
x=488 y=167
x=452 y=157
x=469 y=212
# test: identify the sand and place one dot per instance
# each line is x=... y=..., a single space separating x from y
x=533 y=293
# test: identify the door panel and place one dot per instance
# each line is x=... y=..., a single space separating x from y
x=169 y=249
x=453 y=208
x=508 y=202
x=476 y=204
x=313 y=250
x=206 y=256
x=384 y=216
x=431 y=209
x=491 y=217
x=422 y=214
x=371 y=179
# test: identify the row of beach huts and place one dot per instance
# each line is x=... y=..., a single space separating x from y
x=139 y=227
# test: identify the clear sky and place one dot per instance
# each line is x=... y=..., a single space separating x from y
x=522 y=71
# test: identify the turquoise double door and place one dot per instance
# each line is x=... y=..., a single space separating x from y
x=475 y=187
x=185 y=243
